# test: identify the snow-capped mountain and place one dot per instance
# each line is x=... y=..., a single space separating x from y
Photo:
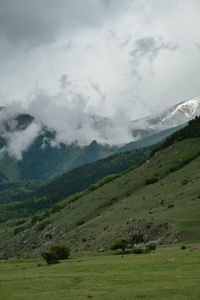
x=174 y=116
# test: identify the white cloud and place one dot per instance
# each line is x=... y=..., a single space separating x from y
x=83 y=53
x=73 y=117
x=20 y=141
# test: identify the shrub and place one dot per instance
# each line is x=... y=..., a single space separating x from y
x=50 y=258
x=183 y=247
x=56 y=208
x=92 y=187
x=170 y=205
x=55 y=253
x=61 y=251
x=151 y=180
x=146 y=250
x=19 y=229
x=138 y=251
x=151 y=246
x=184 y=181
x=45 y=215
x=119 y=243
x=34 y=220
x=80 y=222
x=20 y=222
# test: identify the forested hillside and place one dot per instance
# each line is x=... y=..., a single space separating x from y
x=19 y=203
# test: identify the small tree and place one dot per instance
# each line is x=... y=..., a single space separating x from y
x=61 y=251
x=55 y=253
x=50 y=258
x=119 y=243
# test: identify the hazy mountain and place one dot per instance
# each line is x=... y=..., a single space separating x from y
x=30 y=150
x=174 y=116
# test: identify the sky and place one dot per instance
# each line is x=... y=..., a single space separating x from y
x=65 y=60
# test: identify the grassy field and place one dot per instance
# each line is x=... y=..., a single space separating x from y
x=166 y=274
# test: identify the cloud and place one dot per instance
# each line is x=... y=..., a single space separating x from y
x=20 y=141
x=74 y=119
x=41 y=22
x=17 y=139
x=64 y=81
x=87 y=57
x=148 y=48
x=197 y=46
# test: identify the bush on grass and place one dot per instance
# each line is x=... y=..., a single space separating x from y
x=183 y=247
x=138 y=250
x=119 y=243
x=50 y=258
x=55 y=253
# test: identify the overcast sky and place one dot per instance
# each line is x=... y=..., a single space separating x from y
x=127 y=58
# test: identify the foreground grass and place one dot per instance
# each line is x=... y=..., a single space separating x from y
x=164 y=275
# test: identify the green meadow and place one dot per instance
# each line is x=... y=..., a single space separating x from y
x=165 y=274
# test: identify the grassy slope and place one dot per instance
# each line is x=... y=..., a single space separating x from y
x=132 y=199
x=167 y=274
x=126 y=205
x=25 y=204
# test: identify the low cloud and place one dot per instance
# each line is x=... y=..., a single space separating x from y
x=70 y=115
x=73 y=118
x=20 y=141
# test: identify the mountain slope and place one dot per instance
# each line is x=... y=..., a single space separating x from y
x=158 y=200
x=150 y=139
x=70 y=183
x=43 y=161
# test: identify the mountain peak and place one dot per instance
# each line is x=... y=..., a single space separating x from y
x=174 y=116
x=188 y=107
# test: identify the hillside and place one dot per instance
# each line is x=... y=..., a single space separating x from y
x=158 y=200
x=43 y=161
x=17 y=199
x=150 y=139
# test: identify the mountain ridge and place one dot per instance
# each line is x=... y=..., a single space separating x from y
x=39 y=156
